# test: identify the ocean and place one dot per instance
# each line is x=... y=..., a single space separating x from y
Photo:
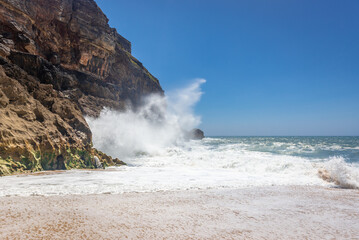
x=211 y=163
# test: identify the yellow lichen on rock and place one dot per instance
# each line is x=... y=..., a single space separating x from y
x=59 y=61
x=34 y=137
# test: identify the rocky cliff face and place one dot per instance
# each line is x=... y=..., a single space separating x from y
x=59 y=61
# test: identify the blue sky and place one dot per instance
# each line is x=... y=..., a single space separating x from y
x=281 y=67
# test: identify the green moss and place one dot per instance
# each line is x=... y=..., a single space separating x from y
x=71 y=157
x=135 y=62
x=36 y=161
x=32 y=162
x=9 y=166
x=78 y=158
x=26 y=162
x=151 y=77
x=47 y=160
x=5 y=167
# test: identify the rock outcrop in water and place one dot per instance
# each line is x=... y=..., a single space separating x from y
x=59 y=61
x=197 y=134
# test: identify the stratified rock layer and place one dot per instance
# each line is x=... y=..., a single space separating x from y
x=60 y=60
x=95 y=62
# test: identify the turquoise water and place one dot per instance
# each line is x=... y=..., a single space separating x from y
x=211 y=163
x=308 y=147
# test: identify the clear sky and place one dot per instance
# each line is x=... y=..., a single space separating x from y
x=281 y=67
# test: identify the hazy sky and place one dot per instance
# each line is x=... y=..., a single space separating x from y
x=281 y=67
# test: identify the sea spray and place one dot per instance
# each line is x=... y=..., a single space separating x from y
x=343 y=174
x=160 y=122
x=221 y=162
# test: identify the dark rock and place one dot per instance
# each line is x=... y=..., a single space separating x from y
x=72 y=37
x=4 y=50
x=197 y=134
x=59 y=61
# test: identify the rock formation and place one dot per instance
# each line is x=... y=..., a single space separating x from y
x=197 y=134
x=59 y=61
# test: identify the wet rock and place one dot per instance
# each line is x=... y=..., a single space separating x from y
x=197 y=134
x=59 y=61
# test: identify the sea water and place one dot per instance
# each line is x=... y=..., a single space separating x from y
x=211 y=163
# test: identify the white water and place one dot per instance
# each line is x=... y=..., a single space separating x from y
x=160 y=122
x=194 y=165
x=341 y=173
x=152 y=141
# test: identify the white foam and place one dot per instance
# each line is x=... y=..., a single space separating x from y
x=194 y=165
x=344 y=174
x=210 y=163
x=151 y=140
x=159 y=123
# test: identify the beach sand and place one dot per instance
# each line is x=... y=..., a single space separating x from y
x=294 y=212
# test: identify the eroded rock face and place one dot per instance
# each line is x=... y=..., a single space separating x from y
x=74 y=36
x=39 y=127
x=59 y=61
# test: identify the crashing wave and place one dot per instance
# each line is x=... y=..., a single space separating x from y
x=343 y=174
x=161 y=122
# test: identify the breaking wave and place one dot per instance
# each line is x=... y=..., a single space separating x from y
x=211 y=163
x=151 y=140
x=336 y=170
x=162 y=121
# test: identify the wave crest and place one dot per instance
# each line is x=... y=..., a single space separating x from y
x=343 y=174
x=159 y=123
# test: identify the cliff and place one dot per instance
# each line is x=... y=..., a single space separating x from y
x=59 y=61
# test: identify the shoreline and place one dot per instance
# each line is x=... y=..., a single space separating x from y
x=53 y=172
x=276 y=212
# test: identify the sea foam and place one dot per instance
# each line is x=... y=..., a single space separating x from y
x=212 y=163
x=343 y=174
x=160 y=122
x=151 y=139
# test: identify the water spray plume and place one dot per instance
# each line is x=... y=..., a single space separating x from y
x=160 y=122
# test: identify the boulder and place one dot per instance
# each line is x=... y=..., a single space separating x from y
x=196 y=134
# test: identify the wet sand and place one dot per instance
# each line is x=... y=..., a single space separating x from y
x=249 y=213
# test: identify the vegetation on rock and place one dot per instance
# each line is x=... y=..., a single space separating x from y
x=59 y=61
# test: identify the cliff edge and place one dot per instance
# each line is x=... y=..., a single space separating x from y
x=59 y=61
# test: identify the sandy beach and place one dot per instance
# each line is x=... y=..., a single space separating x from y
x=278 y=212
x=179 y=120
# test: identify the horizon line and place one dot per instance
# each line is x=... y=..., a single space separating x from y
x=282 y=136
